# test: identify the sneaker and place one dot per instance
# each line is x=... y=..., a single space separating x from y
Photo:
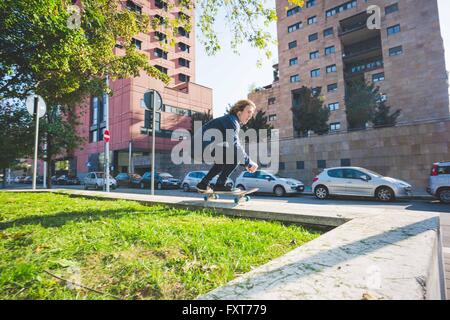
x=223 y=188
x=204 y=186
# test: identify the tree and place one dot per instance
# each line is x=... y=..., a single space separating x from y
x=364 y=103
x=259 y=121
x=382 y=118
x=17 y=134
x=204 y=117
x=309 y=113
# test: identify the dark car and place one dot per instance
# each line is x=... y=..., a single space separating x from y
x=125 y=179
x=73 y=181
x=67 y=180
x=163 y=180
x=28 y=180
x=53 y=178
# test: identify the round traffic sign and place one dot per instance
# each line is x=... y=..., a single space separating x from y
x=41 y=106
x=106 y=136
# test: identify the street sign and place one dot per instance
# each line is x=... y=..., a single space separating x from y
x=41 y=106
x=106 y=136
x=152 y=99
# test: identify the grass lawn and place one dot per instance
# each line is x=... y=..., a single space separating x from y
x=123 y=249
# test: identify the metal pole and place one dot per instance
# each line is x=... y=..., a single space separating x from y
x=130 y=158
x=44 y=183
x=107 y=143
x=36 y=99
x=153 y=144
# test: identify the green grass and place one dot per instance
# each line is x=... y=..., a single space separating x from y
x=127 y=250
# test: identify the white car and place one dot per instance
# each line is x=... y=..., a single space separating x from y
x=439 y=181
x=193 y=178
x=97 y=180
x=269 y=183
x=355 y=181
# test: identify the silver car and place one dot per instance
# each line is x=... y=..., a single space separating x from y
x=97 y=180
x=193 y=178
x=439 y=181
x=267 y=182
x=355 y=181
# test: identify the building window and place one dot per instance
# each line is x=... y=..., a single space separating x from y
x=310 y=3
x=315 y=73
x=160 y=20
x=343 y=7
x=137 y=43
x=396 y=51
x=184 y=62
x=293 y=11
x=393 y=30
x=332 y=87
x=378 y=77
x=271 y=100
x=321 y=164
x=330 y=50
x=95 y=110
x=93 y=136
x=161 y=4
x=316 y=91
x=313 y=37
x=182 y=32
x=336 y=126
x=328 y=32
x=345 y=163
x=300 y=165
x=272 y=117
x=314 y=55
x=392 y=8
x=162 y=69
x=183 y=47
x=333 y=106
x=331 y=69
x=312 y=20
x=133 y=7
x=294 y=27
x=160 y=36
x=295 y=78
x=282 y=166
x=292 y=44
x=183 y=77
x=160 y=53
x=293 y=61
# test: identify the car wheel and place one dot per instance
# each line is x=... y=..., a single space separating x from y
x=384 y=194
x=321 y=192
x=185 y=187
x=444 y=195
x=279 y=191
x=159 y=186
x=240 y=186
x=97 y=187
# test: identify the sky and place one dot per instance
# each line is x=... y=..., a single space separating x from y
x=231 y=75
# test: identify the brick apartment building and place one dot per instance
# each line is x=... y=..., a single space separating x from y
x=181 y=98
x=327 y=43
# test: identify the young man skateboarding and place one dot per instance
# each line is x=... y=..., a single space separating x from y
x=239 y=115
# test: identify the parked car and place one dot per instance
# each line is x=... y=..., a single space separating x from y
x=53 y=179
x=192 y=178
x=355 y=181
x=163 y=180
x=439 y=181
x=125 y=179
x=27 y=180
x=269 y=183
x=97 y=180
x=62 y=179
x=19 y=179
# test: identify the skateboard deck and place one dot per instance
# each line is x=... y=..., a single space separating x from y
x=238 y=195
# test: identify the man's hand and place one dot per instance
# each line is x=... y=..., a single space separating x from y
x=252 y=168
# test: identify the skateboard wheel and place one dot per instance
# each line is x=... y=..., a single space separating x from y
x=236 y=200
x=205 y=198
x=247 y=198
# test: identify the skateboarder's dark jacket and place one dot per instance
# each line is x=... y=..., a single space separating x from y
x=230 y=122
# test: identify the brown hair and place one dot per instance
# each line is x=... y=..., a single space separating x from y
x=240 y=106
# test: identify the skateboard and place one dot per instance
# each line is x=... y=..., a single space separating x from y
x=238 y=194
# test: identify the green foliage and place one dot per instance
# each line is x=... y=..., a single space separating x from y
x=16 y=134
x=309 y=113
x=126 y=249
x=259 y=121
x=364 y=104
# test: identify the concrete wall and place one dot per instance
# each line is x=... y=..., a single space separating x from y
x=404 y=152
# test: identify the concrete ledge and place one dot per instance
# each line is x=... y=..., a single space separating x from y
x=375 y=254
